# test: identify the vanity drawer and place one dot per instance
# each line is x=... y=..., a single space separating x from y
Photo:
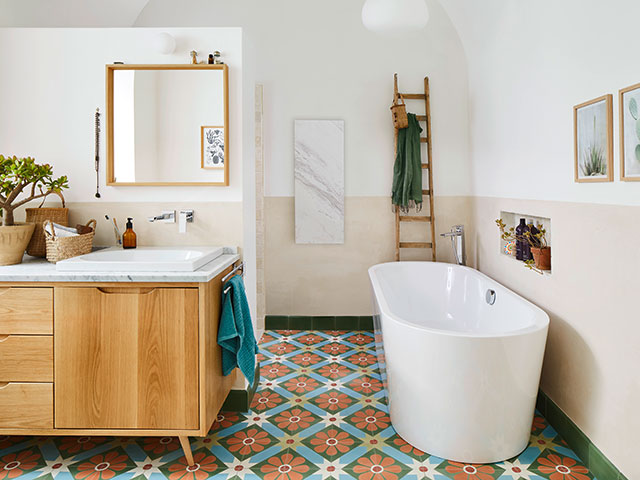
x=26 y=405
x=26 y=358
x=26 y=311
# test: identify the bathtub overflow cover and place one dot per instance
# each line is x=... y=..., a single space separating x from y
x=491 y=297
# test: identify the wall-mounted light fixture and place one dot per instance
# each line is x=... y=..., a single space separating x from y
x=164 y=43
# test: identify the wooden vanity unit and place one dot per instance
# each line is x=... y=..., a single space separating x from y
x=115 y=358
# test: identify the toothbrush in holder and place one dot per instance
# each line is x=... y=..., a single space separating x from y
x=116 y=230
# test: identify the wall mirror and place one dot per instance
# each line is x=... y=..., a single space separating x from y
x=167 y=125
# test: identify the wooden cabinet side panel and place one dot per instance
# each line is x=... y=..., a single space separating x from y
x=126 y=359
x=216 y=386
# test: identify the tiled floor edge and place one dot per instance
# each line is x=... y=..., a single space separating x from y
x=306 y=322
x=240 y=400
x=593 y=458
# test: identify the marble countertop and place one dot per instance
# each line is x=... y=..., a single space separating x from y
x=39 y=270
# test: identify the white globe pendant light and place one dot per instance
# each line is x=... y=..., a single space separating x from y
x=394 y=16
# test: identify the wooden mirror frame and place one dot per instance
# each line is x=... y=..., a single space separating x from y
x=110 y=69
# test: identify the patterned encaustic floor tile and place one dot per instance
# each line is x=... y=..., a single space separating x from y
x=320 y=413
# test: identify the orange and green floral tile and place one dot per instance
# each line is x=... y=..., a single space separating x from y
x=332 y=442
x=20 y=463
x=248 y=442
x=377 y=465
x=206 y=465
x=320 y=413
x=285 y=465
x=555 y=466
x=102 y=466
x=469 y=471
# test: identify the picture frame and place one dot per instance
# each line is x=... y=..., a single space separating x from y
x=593 y=140
x=629 y=101
x=213 y=147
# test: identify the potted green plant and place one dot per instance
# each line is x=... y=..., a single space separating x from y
x=22 y=180
x=540 y=249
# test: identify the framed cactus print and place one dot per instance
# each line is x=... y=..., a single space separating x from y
x=630 y=134
x=593 y=137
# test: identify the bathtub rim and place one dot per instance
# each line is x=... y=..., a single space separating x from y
x=541 y=320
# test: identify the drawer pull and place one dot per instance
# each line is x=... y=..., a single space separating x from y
x=3 y=384
x=3 y=338
x=125 y=290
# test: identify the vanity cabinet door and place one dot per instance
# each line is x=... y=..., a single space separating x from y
x=126 y=358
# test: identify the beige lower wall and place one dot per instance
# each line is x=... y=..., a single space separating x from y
x=215 y=223
x=592 y=361
x=332 y=279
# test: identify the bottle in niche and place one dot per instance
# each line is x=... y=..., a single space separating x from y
x=534 y=240
x=520 y=242
x=129 y=239
x=531 y=230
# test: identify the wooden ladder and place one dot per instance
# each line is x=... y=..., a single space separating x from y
x=430 y=219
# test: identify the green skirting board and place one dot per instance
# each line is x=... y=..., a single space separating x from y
x=299 y=322
x=240 y=400
x=599 y=465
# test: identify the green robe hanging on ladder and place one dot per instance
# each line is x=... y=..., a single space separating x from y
x=407 y=170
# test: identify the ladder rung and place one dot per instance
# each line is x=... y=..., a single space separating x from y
x=426 y=192
x=414 y=219
x=415 y=245
x=423 y=139
x=425 y=165
x=421 y=118
x=413 y=96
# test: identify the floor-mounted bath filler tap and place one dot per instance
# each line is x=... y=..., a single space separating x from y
x=457 y=243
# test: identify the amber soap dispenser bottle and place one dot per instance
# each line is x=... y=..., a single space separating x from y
x=129 y=237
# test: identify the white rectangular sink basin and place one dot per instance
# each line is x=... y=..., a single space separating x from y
x=142 y=259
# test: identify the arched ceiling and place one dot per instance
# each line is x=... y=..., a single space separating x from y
x=70 y=13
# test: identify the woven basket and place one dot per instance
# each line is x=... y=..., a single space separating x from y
x=37 y=246
x=399 y=113
x=61 y=248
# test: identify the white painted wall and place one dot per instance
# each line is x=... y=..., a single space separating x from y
x=529 y=64
x=317 y=61
x=53 y=80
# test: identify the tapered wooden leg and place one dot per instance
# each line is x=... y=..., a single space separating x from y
x=186 y=448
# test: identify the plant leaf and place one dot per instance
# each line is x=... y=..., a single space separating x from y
x=633 y=108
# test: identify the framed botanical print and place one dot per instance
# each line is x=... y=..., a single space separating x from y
x=593 y=139
x=630 y=134
x=213 y=147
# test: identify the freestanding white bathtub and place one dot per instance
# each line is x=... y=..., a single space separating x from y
x=462 y=374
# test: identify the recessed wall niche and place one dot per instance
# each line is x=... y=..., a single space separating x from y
x=512 y=219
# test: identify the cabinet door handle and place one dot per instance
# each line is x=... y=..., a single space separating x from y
x=125 y=290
